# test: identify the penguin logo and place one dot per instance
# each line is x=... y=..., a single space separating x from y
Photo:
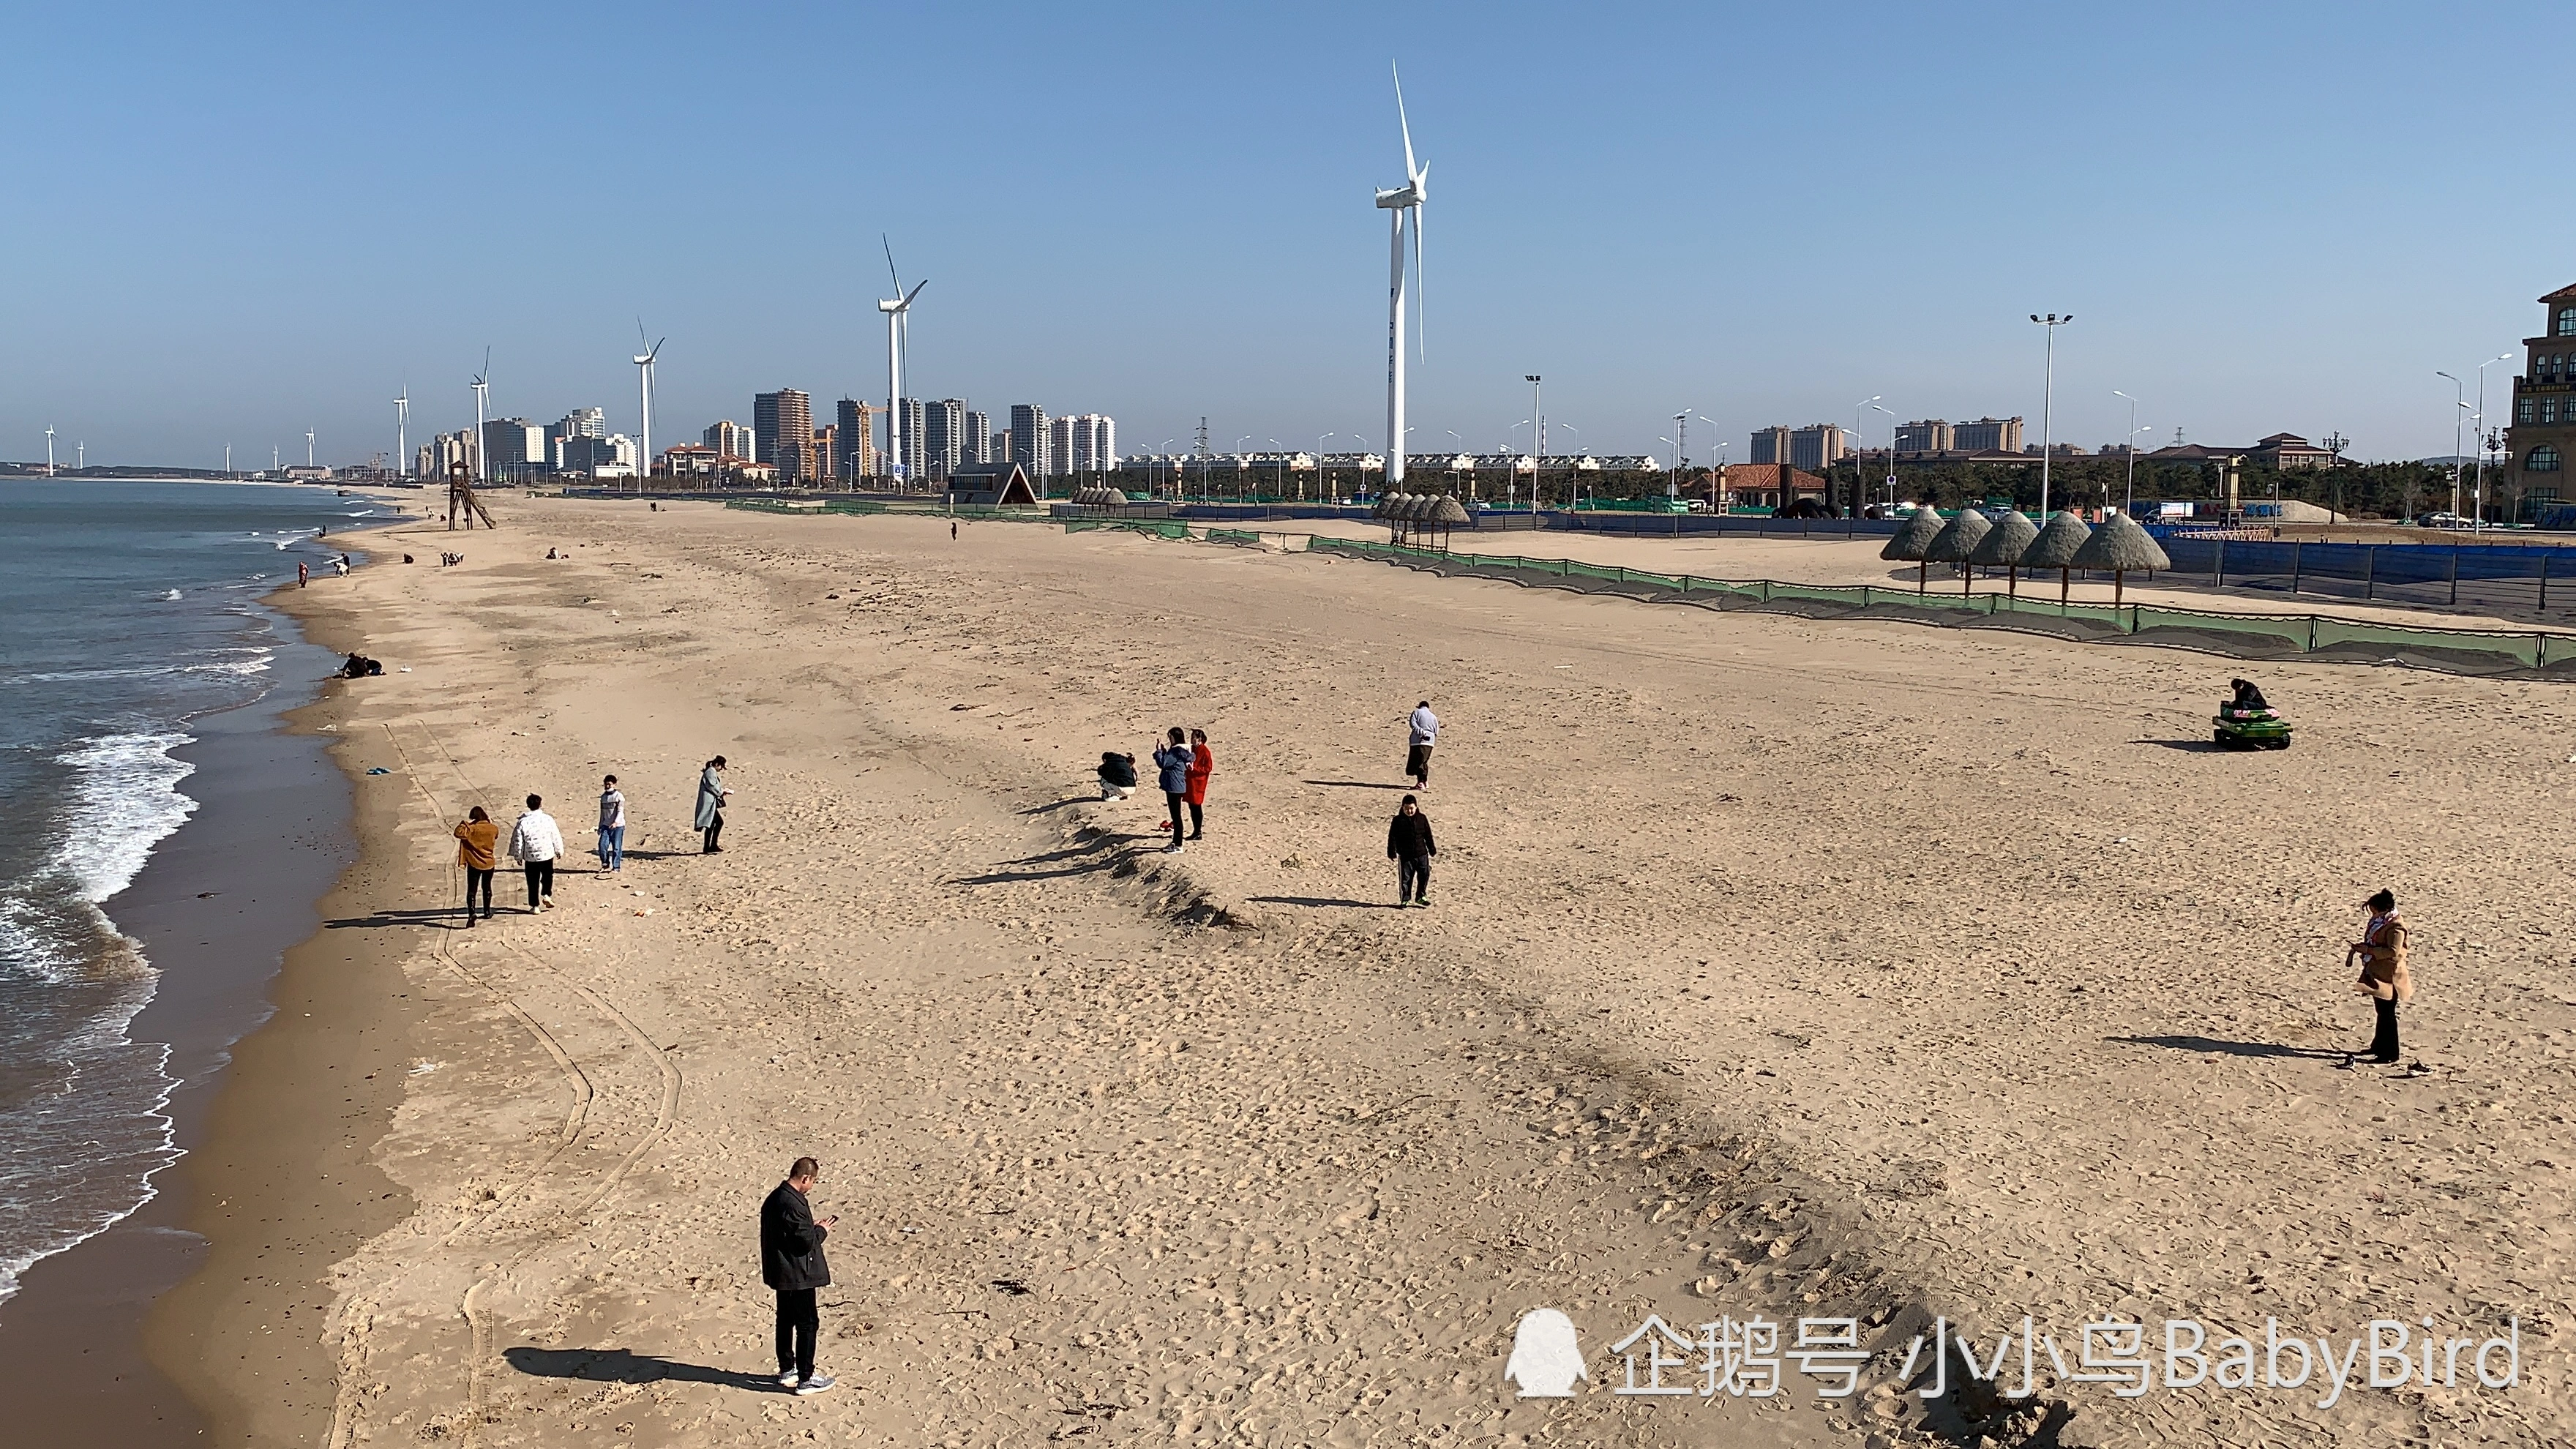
x=1546 y=1359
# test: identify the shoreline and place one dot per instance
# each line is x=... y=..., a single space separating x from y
x=213 y=912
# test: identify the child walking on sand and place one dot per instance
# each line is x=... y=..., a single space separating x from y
x=2381 y=954
x=1410 y=846
x=612 y=825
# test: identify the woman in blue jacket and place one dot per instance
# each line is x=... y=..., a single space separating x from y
x=1172 y=762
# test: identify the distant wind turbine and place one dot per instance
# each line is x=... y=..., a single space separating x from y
x=49 y=452
x=1399 y=204
x=644 y=385
x=482 y=388
x=898 y=315
x=308 y=447
x=402 y=430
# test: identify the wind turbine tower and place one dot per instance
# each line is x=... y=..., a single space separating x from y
x=482 y=387
x=308 y=447
x=402 y=430
x=49 y=452
x=1402 y=205
x=898 y=315
x=644 y=385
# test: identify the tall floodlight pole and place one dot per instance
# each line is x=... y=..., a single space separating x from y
x=2047 y=405
x=1538 y=438
x=1858 y=408
x=2481 y=520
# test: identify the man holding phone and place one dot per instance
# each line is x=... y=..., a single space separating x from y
x=791 y=1263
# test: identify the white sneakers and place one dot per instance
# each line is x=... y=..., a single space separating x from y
x=788 y=1380
x=816 y=1384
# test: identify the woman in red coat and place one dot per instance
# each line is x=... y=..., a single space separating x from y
x=1202 y=765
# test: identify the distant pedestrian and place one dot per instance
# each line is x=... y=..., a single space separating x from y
x=612 y=825
x=2381 y=955
x=952 y=530
x=477 y=840
x=1172 y=772
x=303 y=574
x=1421 y=733
x=1117 y=775
x=1410 y=846
x=792 y=1264
x=1202 y=765
x=342 y=564
x=712 y=796
x=535 y=841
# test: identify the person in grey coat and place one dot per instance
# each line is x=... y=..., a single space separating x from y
x=792 y=1264
x=712 y=796
x=1172 y=766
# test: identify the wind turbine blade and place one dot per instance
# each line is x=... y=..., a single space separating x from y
x=915 y=292
x=1401 y=121
x=890 y=271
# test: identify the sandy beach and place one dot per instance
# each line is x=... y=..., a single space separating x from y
x=1930 y=978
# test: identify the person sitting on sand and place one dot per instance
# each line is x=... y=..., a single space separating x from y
x=1117 y=775
x=477 y=842
x=2381 y=953
x=1410 y=846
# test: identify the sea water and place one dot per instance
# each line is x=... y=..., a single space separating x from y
x=127 y=609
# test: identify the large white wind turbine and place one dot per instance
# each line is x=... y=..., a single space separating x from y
x=402 y=430
x=482 y=387
x=644 y=384
x=898 y=315
x=1400 y=204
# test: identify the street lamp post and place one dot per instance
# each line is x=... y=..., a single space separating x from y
x=2129 y=486
x=1538 y=438
x=2460 y=407
x=1891 y=458
x=2481 y=520
x=2047 y=405
x=1320 y=440
x=1864 y=405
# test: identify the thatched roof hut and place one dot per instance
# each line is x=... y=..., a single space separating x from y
x=1912 y=538
x=2003 y=545
x=1448 y=512
x=2055 y=548
x=1957 y=539
x=2121 y=545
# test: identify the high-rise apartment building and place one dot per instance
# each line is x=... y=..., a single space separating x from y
x=1987 y=435
x=732 y=440
x=513 y=448
x=448 y=449
x=976 y=441
x=915 y=456
x=1029 y=440
x=1815 y=447
x=579 y=423
x=1090 y=444
x=782 y=427
x=1059 y=453
x=1930 y=435
x=827 y=452
x=999 y=450
x=1769 y=445
x=856 y=422
x=943 y=437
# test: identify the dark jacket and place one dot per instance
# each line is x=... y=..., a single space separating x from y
x=1118 y=769
x=1408 y=837
x=791 y=1243
x=1173 y=761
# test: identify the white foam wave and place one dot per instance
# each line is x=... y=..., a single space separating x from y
x=257 y=665
x=124 y=800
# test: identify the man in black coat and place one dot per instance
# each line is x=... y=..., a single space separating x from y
x=791 y=1262
x=1409 y=845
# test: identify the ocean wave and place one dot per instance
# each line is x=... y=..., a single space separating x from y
x=124 y=800
x=258 y=665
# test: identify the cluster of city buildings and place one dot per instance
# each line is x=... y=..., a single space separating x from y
x=514 y=449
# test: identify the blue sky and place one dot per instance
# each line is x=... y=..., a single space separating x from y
x=232 y=223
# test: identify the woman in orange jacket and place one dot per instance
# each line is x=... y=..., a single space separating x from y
x=1202 y=765
x=478 y=841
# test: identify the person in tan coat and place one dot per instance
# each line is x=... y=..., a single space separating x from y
x=478 y=842
x=2381 y=956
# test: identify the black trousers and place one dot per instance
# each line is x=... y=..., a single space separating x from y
x=1179 y=803
x=541 y=880
x=2383 y=1043
x=798 y=1322
x=1197 y=822
x=477 y=880
x=713 y=832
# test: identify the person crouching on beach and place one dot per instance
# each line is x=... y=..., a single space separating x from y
x=476 y=840
x=1202 y=765
x=792 y=1264
x=1117 y=775
x=2381 y=955
x=1410 y=846
x=712 y=796
x=612 y=825
x=534 y=843
x=1172 y=772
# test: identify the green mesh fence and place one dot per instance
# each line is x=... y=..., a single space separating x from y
x=2473 y=649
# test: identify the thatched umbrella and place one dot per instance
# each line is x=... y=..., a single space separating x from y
x=2003 y=545
x=1447 y=513
x=1957 y=539
x=2055 y=548
x=1912 y=539
x=2121 y=545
